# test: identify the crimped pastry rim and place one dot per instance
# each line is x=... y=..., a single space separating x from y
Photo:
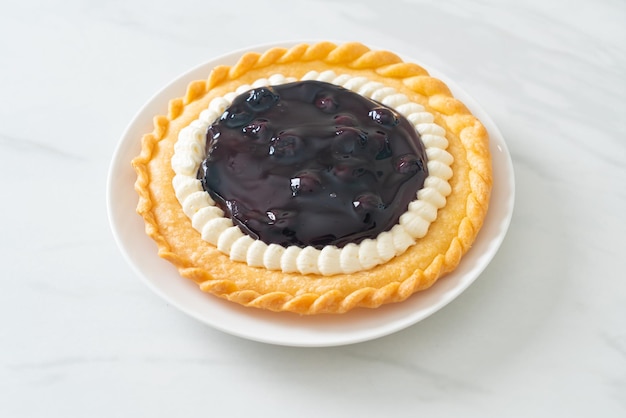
x=356 y=56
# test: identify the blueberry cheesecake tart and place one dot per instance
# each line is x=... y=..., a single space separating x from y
x=315 y=179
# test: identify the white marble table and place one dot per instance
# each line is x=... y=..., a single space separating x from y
x=541 y=333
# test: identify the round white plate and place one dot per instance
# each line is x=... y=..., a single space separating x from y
x=286 y=328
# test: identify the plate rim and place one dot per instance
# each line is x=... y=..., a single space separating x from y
x=179 y=84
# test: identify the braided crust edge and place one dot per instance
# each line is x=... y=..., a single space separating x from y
x=392 y=282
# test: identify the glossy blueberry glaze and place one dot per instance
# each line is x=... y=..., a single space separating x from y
x=311 y=163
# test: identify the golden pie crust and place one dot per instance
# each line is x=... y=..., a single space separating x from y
x=449 y=237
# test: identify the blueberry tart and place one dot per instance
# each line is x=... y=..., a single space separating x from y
x=315 y=179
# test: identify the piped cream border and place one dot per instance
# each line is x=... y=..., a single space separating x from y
x=215 y=228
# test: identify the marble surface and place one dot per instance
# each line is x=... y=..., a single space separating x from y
x=541 y=333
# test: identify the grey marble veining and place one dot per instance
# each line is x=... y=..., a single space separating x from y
x=541 y=333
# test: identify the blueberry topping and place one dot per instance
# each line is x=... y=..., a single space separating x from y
x=368 y=201
x=233 y=119
x=257 y=129
x=384 y=116
x=305 y=182
x=311 y=163
x=408 y=164
x=261 y=99
x=284 y=145
x=344 y=120
x=326 y=103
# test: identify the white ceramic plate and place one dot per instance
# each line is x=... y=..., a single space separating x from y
x=285 y=328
